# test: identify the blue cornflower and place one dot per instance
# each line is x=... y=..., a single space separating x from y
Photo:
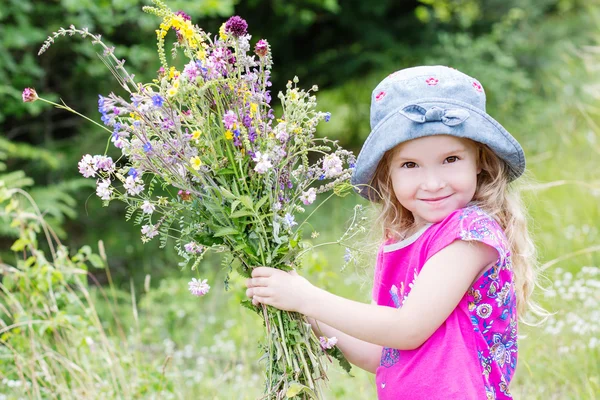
x=327 y=116
x=351 y=165
x=157 y=100
x=147 y=147
x=236 y=132
x=322 y=177
x=132 y=172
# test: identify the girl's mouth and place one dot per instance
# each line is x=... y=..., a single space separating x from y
x=435 y=200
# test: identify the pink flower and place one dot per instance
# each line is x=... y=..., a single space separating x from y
x=477 y=86
x=262 y=48
x=29 y=95
x=197 y=287
x=432 y=81
x=380 y=96
x=327 y=343
x=229 y=119
x=309 y=196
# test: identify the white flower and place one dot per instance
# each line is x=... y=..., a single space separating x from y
x=332 y=166
x=87 y=166
x=149 y=230
x=133 y=185
x=262 y=162
x=147 y=207
x=103 y=189
x=309 y=196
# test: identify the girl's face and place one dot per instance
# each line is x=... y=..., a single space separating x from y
x=434 y=176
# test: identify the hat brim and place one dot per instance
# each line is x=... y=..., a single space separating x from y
x=396 y=128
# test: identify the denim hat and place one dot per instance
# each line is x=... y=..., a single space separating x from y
x=430 y=100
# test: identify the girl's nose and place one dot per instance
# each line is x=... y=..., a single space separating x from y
x=432 y=182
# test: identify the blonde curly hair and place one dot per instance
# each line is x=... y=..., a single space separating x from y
x=494 y=195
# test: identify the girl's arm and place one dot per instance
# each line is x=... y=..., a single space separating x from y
x=363 y=354
x=441 y=284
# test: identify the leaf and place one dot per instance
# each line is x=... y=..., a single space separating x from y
x=19 y=244
x=242 y=213
x=226 y=231
x=261 y=202
x=294 y=389
x=227 y=194
x=247 y=202
x=338 y=355
x=234 y=204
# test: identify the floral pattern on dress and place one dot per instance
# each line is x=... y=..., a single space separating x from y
x=492 y=304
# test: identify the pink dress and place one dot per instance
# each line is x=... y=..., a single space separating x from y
x=473 y=354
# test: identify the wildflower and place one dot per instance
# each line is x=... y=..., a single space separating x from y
x=314 y=235
x=104 y=163
x=327 y=343
x=289 y=220
x=327 y=116
x=103 y=189
x=229 y=119
x=347 y=255
x=262 y=48
x=134 y=186
x=237 y=26
x=196 y=162
x=262 y=162
x=228 y=134
x=157 y=100
x=184 y=194
x=162 y=201
x=309 y=196
x=149 y=230
x=332 y=166
x=132 y=172
x=29 y=95
x=196 y=135
x=222 y=33
x=147 y=207
x=193 y=247
x=147 y=147
x=87 y=166
x=171 y=92
x=198 y=287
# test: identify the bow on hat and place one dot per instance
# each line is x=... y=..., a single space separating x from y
x=448 y=116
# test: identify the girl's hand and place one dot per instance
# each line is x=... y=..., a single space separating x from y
x=284 y=290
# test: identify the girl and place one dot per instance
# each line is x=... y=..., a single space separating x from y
x=455 y=268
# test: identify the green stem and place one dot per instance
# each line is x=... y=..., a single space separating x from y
x=65 y=107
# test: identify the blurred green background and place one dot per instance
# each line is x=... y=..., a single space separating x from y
x=537 y=60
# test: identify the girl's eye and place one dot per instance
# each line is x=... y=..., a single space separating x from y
x=452 y=159
x=409 y=164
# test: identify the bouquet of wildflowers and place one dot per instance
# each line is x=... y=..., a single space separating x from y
x=231 y=176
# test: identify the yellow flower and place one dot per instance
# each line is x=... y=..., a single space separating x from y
x=196 y=135
x=171 y=92
x=222 y=33
x=228 y=134
x=294 y=95
x=201 y=54
x=135 y=116
x=196 y=163
x=162 y=201
x=173 y=73
x=253 y=108
x=176 y=84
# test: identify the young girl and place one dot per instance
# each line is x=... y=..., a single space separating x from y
x=455 y=268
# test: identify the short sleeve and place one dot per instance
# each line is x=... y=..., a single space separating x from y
x=469 y=224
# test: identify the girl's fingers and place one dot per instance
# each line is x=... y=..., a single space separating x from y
x=263 y=272
x=256 y=300
x=254 y=282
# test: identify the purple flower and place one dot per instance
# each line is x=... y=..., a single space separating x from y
x=147 y=147
x=262 y=48
x=237 y=26
x=309 y=196
x=289 y=220
x=183 y=15
x=347 y=255
x=104 y=163
x=247 y=121
x=157 y=100
x=193 y=247
x=327 y=116
x=29 y=95
x=229 y=119
x=252 y=136
x=198 y=287
x=332 y=166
